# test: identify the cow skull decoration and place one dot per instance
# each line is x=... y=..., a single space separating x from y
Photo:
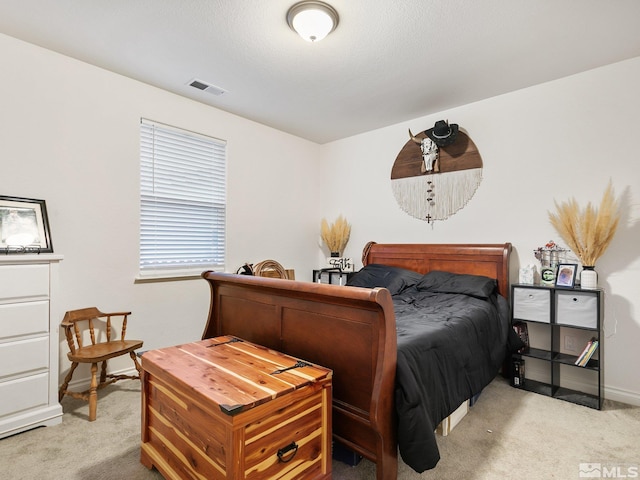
x=429 y=153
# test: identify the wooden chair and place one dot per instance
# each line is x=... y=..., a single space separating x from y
x=75 y=324
x=271 y=268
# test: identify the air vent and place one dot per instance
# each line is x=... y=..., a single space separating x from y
x=206 y=87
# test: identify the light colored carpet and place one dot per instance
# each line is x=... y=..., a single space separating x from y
x=509 y=433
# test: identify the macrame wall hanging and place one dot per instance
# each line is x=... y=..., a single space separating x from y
x=436 y=173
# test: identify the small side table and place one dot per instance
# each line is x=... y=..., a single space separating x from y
x=334 y=276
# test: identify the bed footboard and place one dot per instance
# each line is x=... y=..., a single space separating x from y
x=350 y=330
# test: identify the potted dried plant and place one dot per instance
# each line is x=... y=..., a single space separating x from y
x=336 y=235
x=588 y=231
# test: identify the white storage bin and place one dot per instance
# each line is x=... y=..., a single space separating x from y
x=579 y=309
x=454 y=419
x=532 y=304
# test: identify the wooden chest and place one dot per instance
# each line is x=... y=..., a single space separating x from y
x=225 y=408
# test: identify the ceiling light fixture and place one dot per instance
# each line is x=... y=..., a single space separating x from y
x=312 y=20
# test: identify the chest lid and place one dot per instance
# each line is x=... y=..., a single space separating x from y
x=235 y=374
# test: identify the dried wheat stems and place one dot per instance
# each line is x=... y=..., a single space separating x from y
x=336 y=235
x=589 y=231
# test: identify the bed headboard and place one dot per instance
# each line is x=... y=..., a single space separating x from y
x=490 y=260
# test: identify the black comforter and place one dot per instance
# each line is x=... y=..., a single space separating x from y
x=452 y=335
x=450 y=346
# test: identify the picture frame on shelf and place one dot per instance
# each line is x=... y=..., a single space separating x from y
x=24 y=226
x=566 y=277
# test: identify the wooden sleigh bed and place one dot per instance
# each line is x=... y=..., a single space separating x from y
x=348 y=329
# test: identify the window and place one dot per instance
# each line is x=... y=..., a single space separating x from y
x=182 y=202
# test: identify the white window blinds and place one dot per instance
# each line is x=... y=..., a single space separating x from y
x=182 y=201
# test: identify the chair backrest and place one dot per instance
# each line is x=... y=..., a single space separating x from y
x=271 y=268
x=74 y=331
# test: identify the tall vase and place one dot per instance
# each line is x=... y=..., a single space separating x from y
x=589 y=278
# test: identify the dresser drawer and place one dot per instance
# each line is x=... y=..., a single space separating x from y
x=24 y=356
x=25 y=318
x=23 y=281
x=532 y=304
x=578 y=309
x=24 y=393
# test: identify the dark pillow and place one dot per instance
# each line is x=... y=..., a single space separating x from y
x=394 y=279
x=447 y=282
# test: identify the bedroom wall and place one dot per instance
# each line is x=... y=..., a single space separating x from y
x=69 y=134
x=554 y=141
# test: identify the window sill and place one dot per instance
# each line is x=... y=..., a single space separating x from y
x=169 y=277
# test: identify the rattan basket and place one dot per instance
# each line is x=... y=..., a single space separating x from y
x=271 y=268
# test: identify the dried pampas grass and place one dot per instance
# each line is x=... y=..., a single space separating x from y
x=589 y=231
x=336 y=235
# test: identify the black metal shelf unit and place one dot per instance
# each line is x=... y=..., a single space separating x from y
x=561 y=310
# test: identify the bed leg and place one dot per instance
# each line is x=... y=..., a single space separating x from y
x=387 y=469
x=387 y=465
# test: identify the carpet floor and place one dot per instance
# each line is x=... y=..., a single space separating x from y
x=508 y=433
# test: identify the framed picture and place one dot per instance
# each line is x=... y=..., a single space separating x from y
x=24 y=226
x=566 y=275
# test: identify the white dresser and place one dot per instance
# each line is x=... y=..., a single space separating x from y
x=28 y=342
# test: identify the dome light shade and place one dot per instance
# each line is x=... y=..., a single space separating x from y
x=312 y=20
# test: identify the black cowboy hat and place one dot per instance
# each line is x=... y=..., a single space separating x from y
x=442 y=133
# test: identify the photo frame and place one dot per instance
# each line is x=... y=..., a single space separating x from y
x=24 y=226
x=566 y=277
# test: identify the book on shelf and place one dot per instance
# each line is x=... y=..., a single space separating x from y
x=588 y=351
x=523 y=333
x=584 y=352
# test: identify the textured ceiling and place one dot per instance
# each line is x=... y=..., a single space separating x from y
x=387 y=62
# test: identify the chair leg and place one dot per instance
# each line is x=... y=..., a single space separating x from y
x=103 y=372
x=134 y=357
x=67 y=379
x=93 y=392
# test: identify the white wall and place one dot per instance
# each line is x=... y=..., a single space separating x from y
x=69 y=134
x=558 y=140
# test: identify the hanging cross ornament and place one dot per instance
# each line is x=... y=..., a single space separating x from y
x=430 y=199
